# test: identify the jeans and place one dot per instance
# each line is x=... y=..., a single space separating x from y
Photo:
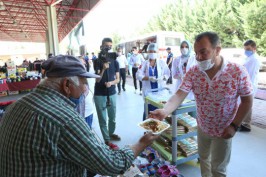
x=107 y=125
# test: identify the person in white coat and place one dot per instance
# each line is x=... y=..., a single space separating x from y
x=153 y=73
x=182 y=64
x=252 y=64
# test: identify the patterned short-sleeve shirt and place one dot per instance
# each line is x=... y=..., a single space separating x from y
x=217 y=98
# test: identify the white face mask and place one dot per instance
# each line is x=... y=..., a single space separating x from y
x=119 y=53
x=110 y=51
x=152 y=56
x=205 y=65
x=184 y=51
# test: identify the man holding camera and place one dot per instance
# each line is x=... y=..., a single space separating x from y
x=105 y=94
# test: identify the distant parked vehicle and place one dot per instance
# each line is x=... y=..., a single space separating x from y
x=236 y=55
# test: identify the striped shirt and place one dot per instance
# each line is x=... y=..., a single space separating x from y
x=42 y=135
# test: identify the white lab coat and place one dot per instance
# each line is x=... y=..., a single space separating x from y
x=163 y=72
x=252 y=64
x=178 y=74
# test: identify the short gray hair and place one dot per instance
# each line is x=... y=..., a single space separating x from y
x=54 y=82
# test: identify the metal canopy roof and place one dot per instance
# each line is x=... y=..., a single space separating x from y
x=26 y=20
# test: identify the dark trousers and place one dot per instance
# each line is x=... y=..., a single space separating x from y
x=134 y=71
x=169 y=81
x=122 y=78
x=87 y=65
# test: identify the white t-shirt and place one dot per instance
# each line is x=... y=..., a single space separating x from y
x=89 y=104
x=122 y=60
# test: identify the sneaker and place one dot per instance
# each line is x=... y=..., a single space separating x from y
x=112 y=146
x=242 y=128
x=124 y=89
x=115 y=137
x=119 y=93
x=140 y=92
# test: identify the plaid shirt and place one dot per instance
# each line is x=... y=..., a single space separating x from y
x=42 y=135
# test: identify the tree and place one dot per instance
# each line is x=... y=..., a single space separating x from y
x=233 y=20
x=254 y=23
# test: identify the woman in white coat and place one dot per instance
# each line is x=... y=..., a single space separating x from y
x=182 y=64
x=153 y=73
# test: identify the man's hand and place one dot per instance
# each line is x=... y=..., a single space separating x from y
x=108 y=84
x=158 y=114
x=229 y=132
x=143 y=142
x=153 y=79
x=106 y=65
x=136 y=65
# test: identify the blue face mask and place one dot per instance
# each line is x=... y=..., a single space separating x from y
x=248 y=53
x=76 y=101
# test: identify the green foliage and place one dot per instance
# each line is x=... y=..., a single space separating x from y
x=254 y=23
x=234 y=20
x=116 y=38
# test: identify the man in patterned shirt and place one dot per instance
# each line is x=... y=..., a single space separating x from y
x=216 y=84
x=42 y=135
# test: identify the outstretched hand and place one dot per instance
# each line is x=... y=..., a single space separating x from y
x=159 y=114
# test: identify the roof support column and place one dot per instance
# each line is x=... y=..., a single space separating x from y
x=52 y=33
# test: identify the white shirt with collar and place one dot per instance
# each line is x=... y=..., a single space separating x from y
x=252 y=64
x=136 y=59
x=122 y=60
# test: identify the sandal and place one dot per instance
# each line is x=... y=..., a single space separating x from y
x=115 y=137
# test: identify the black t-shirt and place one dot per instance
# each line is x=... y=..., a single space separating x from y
x=109 y=75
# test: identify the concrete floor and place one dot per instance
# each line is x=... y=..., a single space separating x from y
x=248 y=154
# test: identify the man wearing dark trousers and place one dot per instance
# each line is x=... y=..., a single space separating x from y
x=169 y=64
x=136 y=60
x=123 y=65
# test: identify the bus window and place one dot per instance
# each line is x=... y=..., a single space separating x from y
x=171 y=41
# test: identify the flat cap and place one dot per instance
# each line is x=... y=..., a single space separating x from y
x=66 y=66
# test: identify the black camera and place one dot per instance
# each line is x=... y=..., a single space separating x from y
x=105 y=56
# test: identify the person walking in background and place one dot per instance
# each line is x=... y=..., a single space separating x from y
x=169 y=64
x=87 y=61
x=123 y=65
x=217 y=84
x=182 y=64
x=136 y=60
x=153 y=73
x=105 y=93
x=93 y=56
x=128 y=61
x=252 y=64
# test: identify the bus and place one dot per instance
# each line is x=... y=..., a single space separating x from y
x=164 y=39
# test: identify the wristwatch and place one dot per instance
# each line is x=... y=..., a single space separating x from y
x=234 y=125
